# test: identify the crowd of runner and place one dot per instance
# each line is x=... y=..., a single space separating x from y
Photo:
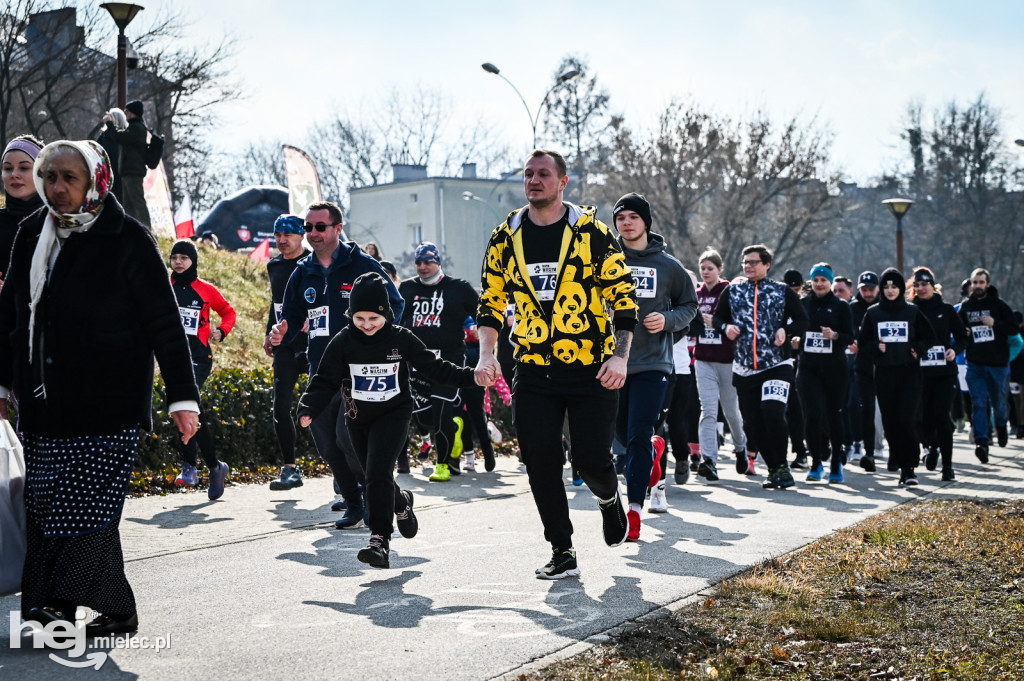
x=611 y=353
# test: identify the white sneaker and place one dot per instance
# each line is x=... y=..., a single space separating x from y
x=659 y=504
x=470 y=464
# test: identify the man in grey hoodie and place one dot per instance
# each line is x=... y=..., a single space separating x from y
x=667 y=303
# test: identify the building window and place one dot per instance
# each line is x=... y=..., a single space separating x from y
x=416 y=234
x=414 y=198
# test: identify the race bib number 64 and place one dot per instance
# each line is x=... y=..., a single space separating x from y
x=775 y=390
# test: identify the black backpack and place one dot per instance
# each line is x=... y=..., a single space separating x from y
x=154 y=150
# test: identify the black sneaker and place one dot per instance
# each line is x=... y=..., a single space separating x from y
x=891 y=464
x=800 y=462
x=613 y=520
x=981 y=451
x=561 y=565
x=408 y=526
x=694 y=462
x=947 y=475
x=339 y=505
x=868 y=464
x=931 y=459
x=910 y=480
x=682 y=472
x=352 y=520
x=707 y=469
x=290 y=479
x=489 y=460
x=1002 y=436
x=742 y=463
x=376 y=554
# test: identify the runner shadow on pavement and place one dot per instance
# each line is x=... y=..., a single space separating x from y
x=336 y=555
x=182 y=516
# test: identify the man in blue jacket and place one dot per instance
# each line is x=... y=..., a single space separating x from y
x=315 y=300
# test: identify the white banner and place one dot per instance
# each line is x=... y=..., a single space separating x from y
x=303 y=181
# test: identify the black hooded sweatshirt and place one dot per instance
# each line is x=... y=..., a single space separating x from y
x=826 y=311
x=988 y=345
x=901 y=326
x=949 y=332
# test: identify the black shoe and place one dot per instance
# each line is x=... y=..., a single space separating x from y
x=800 y=462
x=742 y=463
x=1020 y=433
x=868 y=464
x=489 y=460
x=48 y=615
x=1002 y=436
x=352 y=520
x=408 y=526
x=613 y=520
x=694 y=462
x=561 y=565
x=891 y=464
x=454 y=468
x=682 y=472
x=339 y=506
x=981 y=451
x=910 y=479
x=931 y=459
x=707 y=469
x=376 y=554
x=104 y=625
x=947 y=475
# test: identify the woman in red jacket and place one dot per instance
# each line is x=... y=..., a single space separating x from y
x=196 y=297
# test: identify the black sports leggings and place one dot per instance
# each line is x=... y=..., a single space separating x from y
x=899 y=393
x=822 y=387
x=203 y=439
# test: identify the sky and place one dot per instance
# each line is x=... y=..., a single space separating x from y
x=853 y=66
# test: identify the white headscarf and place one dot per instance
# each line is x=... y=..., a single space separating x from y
x=62 y=225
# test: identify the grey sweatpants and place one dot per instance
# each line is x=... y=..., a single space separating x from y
x=714 y=386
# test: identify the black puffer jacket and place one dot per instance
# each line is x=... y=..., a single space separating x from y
x=949 y=332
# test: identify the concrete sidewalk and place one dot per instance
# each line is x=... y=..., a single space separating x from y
x=259 y=585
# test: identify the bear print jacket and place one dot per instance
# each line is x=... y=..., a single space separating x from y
x=591 y=278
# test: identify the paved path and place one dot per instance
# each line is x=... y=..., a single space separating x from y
x=259 y=585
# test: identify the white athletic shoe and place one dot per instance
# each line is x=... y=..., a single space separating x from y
x=659 y=504
x=470 y=463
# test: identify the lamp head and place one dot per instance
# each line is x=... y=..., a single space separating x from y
x=490 y=68
x=899 y=207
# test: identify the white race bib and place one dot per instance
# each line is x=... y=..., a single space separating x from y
x=1015 y=388
x=817 y=343
x=983 y=334
x=374 y=382
x=190 y=320
x=544 y=276
x=278 y=308
x=775 y=390
x=936 y=357
x=319 y=321
x=710 y=337
x=893 y=332
x=646 y=280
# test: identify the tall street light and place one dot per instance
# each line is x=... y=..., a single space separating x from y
x=571 y=74
x=899 y=208
x=470 y=196
x=122 y=13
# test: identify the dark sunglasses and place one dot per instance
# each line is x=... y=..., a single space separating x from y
x=320 y=228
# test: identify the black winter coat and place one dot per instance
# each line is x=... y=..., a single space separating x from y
x=106 y=310
x=949 y=333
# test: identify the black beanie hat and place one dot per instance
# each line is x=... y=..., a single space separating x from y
x=636 y=203
x=135 y=106
x=793 y=278
x=893 y=276
x=370 y=294
x=186 y=247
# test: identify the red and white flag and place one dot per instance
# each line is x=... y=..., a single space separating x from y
x=261 y=252
x=183 y=225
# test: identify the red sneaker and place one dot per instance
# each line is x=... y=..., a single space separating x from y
x=659 y=455
x=634 y=526
x=750 y=465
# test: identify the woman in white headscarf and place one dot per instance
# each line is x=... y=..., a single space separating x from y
x=85 y=306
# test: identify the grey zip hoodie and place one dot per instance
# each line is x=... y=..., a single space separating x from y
x=662 y=285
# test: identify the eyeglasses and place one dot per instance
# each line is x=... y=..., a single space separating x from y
x=320 y=228
x=752 y=263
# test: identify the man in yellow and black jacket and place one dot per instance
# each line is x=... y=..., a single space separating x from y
x=575 y=311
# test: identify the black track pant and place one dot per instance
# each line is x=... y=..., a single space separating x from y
x=763 y=400
x=203 y=439
x=287 y=368
x=822 y=388
x=936 y=424
x=866 y=411
x=377 y=445
x=899 y=393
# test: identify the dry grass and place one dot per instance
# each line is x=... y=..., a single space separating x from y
x=931 y=590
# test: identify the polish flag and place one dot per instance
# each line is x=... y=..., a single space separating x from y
x=183 y=225
x=261 y=252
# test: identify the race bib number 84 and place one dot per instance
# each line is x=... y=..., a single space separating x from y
x=775 y=390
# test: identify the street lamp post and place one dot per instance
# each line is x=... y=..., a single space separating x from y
x=470 y=196
x=899 y=208
x=122 y=13
x=571 y=74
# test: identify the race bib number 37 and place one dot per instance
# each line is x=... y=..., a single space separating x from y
x=646 y=280
x=544 y=276
x=893 y=332
x=775 y=390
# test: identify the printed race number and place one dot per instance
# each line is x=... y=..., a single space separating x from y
x=936 y=357
x=775 y=390
x=710 y=337
x=816 y=343
x=983 y=334
x=646 y=280
x=190 y=320
x=319 y=321
x=544 y=277
x=374 y=382
x=893 y=332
